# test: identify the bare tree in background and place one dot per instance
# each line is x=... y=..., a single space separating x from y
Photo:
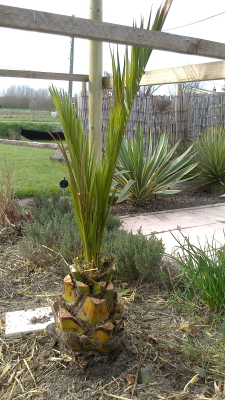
x=145 y=91
x=24 y=97
x=187 y=87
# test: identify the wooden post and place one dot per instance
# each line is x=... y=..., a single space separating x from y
x=95 y=86
x=70 y=87
x=178 y=102
x=84 y=86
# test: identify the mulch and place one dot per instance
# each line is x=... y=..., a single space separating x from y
x=184 y=199
x=183 y=364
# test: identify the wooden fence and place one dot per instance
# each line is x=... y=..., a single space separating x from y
x=182 y=117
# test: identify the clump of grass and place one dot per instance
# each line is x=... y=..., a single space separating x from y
x=9 y=210
x=203 y=273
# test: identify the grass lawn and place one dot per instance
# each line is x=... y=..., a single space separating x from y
x=31 y=170
x=27 y=115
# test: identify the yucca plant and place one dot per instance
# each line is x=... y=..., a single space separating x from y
x=141 y=173
x=211 y=159
x=89 y=315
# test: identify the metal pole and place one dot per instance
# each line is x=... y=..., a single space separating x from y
x=70 y=88
x=95 y=86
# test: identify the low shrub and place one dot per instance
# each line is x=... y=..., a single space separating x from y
x=135 y=255
x=53 y=229
x=113 y=223
x=53 y=226
x=53 y=232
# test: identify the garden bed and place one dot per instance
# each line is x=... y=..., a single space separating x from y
x=160 y=203
x=37 y=367
x=184 y=199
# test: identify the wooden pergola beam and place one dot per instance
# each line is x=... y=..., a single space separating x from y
x=54 y=76
x=39 y=21
x=188 y=73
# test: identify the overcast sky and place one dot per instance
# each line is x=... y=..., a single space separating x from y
x=44 y=52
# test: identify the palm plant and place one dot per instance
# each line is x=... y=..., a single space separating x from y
x=90 y=311
x=140 y=174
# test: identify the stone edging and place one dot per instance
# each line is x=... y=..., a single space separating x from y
x=167 y=211
x=31 y=144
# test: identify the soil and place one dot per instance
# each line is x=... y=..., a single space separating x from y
x=35 y=366
x=161 y=202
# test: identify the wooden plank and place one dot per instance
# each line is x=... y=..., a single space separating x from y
x=188 y=73
x=38 y=21
x=43 y=75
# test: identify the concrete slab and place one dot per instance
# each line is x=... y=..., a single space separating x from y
x=210 y=213
x=200 y=224
x=172 y=239
x=21 y=322
x=165 y=220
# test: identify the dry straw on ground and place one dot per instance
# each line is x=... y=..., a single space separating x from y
x=36 y=367
x=7 y=202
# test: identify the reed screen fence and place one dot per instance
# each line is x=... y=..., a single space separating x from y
x=183 y=117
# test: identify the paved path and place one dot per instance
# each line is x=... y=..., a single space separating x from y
x=199 y=224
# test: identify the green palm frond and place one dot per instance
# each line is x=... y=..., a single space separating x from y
x=90 y=183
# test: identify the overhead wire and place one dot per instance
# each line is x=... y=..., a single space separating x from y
x=196 y=22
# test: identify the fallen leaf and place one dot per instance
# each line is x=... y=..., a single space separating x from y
x=189 y=328
x=153 y=339
x=130 y=379
x=220 y=389
x=191 y=382
x=140 y=335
